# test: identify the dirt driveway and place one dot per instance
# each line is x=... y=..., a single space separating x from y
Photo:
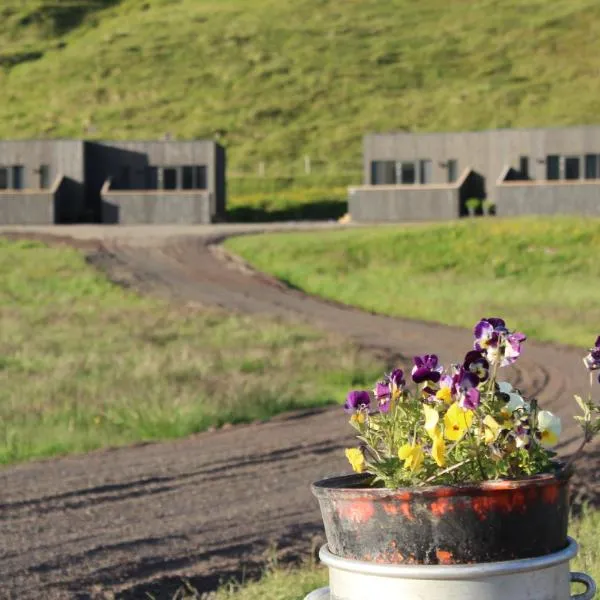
x=127 y=522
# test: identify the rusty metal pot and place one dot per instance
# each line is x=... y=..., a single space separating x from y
x=485 y=522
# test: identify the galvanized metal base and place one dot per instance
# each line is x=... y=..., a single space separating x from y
x=542 y=578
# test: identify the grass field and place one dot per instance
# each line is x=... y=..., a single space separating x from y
x=275 y=81
x=541 y=274
x=289 y=205
x=294 y=584
x=86 y=364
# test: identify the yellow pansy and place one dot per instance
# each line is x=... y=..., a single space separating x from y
x=412 y=455
x=491 y=429
x=456 y=422
x=356 y=459
x=432 y=418
x=438 y=451
x=444 y=394
x=358 y=418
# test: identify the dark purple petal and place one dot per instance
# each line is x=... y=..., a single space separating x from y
x=397 y=378
x=496 y=323
x=470 y=400
x=464 y=380
x=476 y=363
x=426 y=369
x=430 y=389
x=421 y=374
x=357 y=400
x=597 y=344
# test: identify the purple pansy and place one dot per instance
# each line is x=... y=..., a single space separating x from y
x=493 y=338
x=426 y=369
x=592 y=360
x=465 y=387
x=476 y=363
x=512 y=348
x=487 y=333
x=389 y=389
x=356 y=401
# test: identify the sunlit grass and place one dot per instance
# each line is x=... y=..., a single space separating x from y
x=539 y=273
x=85 y=364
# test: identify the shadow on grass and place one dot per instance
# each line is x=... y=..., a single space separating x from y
x=309 y=211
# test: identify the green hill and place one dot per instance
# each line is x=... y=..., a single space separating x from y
x=277 y=79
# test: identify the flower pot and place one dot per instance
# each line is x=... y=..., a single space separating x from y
x=542 y=578
x=444 y=525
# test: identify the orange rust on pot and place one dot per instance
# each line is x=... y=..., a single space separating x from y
x=441 y=507
x=398 y=509
x=359 y=511
x=444 y=557
x=509 y=501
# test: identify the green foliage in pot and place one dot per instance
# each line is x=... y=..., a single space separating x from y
x=473 y=205
x=489 y=207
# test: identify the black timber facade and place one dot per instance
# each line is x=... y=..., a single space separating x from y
x=76 y=181
x=429 y=176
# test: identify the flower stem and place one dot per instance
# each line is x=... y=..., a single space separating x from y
x=448 y=470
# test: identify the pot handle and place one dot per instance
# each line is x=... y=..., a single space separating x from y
x=589 y=583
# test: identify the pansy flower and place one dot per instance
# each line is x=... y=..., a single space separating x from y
x=412 y=455
x=356 y=458
x=389 y=389
x=515 y=402
x=549 y=427
x=456 y=422
x=357 y=401
x=426 y=368
x=512 y=348
x=521 y=429
x=491 y=429
x=465 y=388
x=592 y=359
x=444 y=393
x=475 y=362
x=499 y=345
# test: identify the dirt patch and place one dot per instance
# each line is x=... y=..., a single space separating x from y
x=121 y=523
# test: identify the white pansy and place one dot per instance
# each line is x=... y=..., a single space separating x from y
x=505 y=387
x=515 y=401
x=549 y=426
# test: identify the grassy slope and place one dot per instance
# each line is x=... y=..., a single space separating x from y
x=277 y=80
x=85 y=364
x=540 y=274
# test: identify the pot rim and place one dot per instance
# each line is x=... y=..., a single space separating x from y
x=448 y=572
x=355 y=485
